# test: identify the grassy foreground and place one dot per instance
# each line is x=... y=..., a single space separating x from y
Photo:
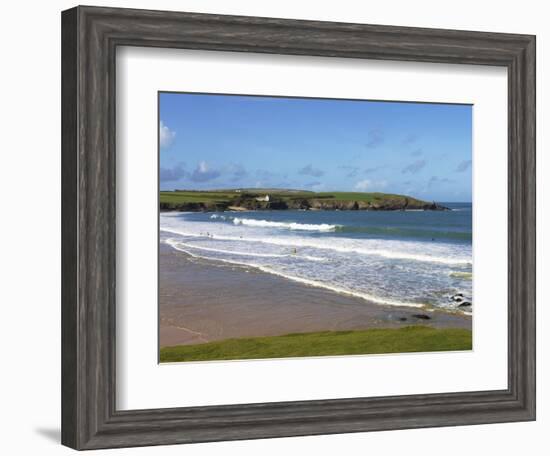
x=326 y=343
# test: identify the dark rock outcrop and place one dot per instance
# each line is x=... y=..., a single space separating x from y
x=194 y=207
x=250 y=202
x=422 y=316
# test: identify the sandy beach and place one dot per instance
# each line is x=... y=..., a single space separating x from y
x=203 y=301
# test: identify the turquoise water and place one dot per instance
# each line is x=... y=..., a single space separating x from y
x=408 y=258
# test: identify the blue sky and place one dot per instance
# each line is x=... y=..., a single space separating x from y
x=223 y=141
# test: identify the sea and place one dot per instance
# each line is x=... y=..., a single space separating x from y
x=410 y=258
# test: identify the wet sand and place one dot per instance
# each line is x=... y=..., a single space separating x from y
x=202 y=301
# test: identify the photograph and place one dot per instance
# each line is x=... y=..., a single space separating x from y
x=299 y=227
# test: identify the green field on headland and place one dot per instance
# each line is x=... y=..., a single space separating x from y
x=327 y=343
x=277 y=199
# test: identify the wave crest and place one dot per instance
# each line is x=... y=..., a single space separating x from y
x=174 y=242
x=285 y=225
x=335 y=245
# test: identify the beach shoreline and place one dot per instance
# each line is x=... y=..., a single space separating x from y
x=203 y=301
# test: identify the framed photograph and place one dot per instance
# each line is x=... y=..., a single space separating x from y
x=280 y=228
x=302 y=257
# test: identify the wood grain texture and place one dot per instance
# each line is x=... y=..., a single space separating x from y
x=69 y=233
x=89 y=39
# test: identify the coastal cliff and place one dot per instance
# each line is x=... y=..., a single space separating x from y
x=223 y=200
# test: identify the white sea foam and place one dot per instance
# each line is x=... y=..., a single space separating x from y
x=249 y=254
x=314 y=283
x=338 y=245
x=217 y=216
x=395 y=272
x=286 y=225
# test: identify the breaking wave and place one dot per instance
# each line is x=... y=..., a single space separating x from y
x=314 y=283
x=285 y=225
x=314 y=249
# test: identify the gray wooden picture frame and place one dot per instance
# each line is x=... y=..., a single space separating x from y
x=90 y=36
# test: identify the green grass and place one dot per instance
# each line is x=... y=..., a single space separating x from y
x=195 y=197
x=365 y=197
x=326 y=343
x=229 y=195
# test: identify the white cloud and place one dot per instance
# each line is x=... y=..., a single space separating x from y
x=172 y=174
x=317 y=186
x=203 y=173
x=238 y=171
x=309 y=170
x=370 y=185
x=415 y=167
x=375 y=138
x=464 y=166
x=363 y=185
x=166 y=135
